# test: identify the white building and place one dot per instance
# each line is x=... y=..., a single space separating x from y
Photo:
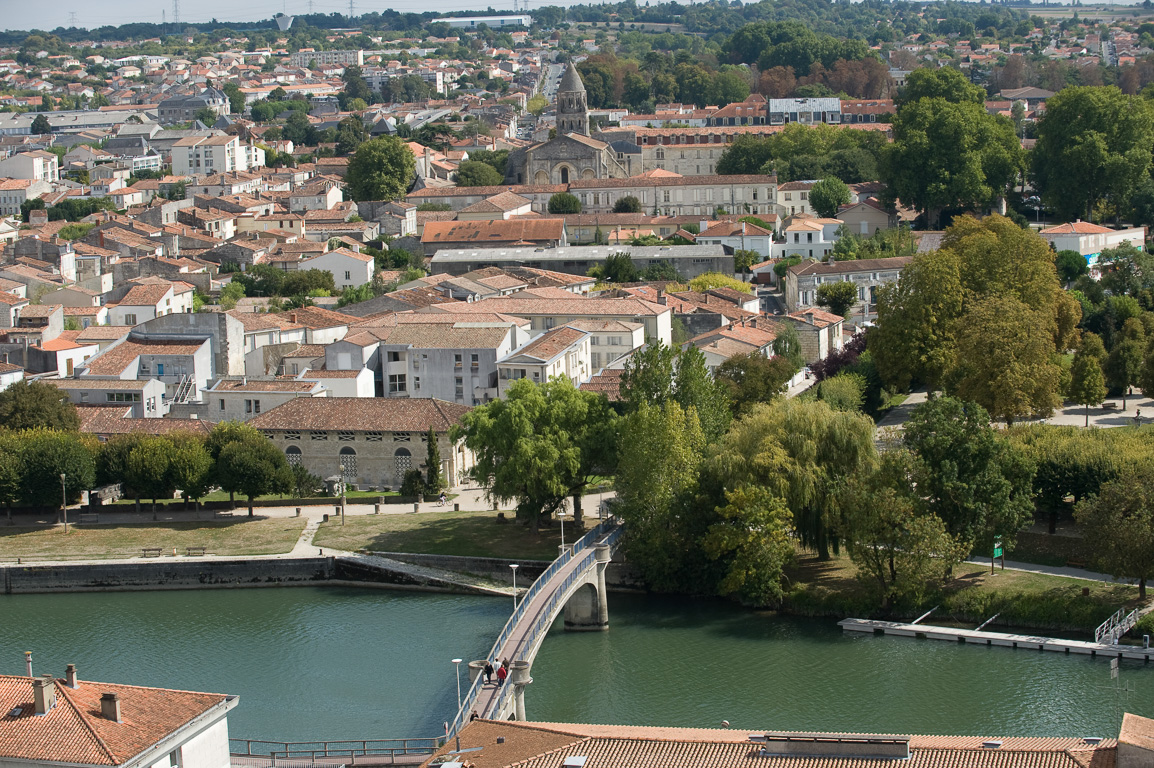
x=807 y=237
x=349 y=269
x=563 y=351
x=243 y=399
x=38 y=165
x=324 y=58
x=207 y=155
x=1091 y=239
x=472 y=22
x=13 y=193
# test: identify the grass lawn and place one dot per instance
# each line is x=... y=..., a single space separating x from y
x=972 y=596
x=221 y=537
x=476 y=534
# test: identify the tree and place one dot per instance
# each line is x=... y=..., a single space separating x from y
x=11 y=471
x=149 y=469
x=977 y=482
x=661 y=271
x=351 y=134
x=30 y=404
x=944 y=83
x=1094 y=146
x=806 y=451
x=694 y=388
x=617 y=268
x=659 y=455
x=433 y=479
x=539 y=445
x=1126 y=270
x=563 y=202
x=753 y=535
x=1005 y=359
x=236 y=99
x=380 y=169
x=1070 y=265
x=191 y=467
x=1125 y=363
x=46 y=454
x=751 y=378
x=828 y=195
x=254 y=468
x=304 y=483
x=898 y=546
x=950 y=155
x=844 y=392
x=1120 y=523
x=41 y=126
x=840 y=297
x=222 y=435
x=1087 y=382
x=787 y=344
x=707 y=280
x=206 y=116
x=472 y=173
x=627 y=204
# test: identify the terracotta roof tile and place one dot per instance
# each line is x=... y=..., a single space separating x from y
x=112 y=420
x=363 y=414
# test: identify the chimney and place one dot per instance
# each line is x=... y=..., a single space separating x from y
x=44 y=694
x=292 y=317
x=27 y=654
x=704 y=225
x=70 y=676
x=110 y=707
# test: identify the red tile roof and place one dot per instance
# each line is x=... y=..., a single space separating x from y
x=74 y=732
x=363 y=414
x=499 y=230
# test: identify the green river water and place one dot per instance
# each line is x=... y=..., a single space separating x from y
x=336 y=663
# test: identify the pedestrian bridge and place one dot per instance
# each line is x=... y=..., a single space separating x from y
x=573 y=583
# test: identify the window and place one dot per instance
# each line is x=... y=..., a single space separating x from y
x=348 y=275
x=345 y=437
x=459 y=385
x=394 y=357
x=248 y=406
x=222 y=403
x=404 y=462
x=789 y=196
x=397 y=383
x=318 y=435
x=804 y=195
x=122 y=397
x=348 y=464
x=457 y=360
x=292 y=434
x=416 y=382
x=293 y=454
x=130 y=319
x=474 y=361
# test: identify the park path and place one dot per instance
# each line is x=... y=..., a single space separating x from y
x=1051 y=570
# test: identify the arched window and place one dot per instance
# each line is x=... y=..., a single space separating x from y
x=404 y=461
x=564 y=175
x=348 y=464
x=293 y=454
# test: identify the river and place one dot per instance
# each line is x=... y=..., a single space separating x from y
x=332 y=663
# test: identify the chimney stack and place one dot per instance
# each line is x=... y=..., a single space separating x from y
x=27 y=654
x=70 y=676
x=110 y=707
x=44 y=694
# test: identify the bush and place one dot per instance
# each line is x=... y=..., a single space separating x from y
x=413 y=484
x=844 y=392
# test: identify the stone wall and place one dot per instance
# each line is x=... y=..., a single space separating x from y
x=164 y=573
x=618 y=575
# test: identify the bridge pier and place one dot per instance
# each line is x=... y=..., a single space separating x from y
x=519 y=677
x=588 y=608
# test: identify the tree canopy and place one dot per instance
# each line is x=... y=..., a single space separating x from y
x=380 y=169
x=29 y=404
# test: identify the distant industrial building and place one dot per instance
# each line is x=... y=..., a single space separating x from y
x=472 y=22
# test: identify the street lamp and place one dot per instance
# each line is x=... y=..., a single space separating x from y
x=64 y=498
x=457 y=665
x=561 y=517
x=514 y=567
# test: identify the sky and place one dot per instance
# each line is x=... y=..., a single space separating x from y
x=21 y=14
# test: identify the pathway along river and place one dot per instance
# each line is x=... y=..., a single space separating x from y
x=331 y=663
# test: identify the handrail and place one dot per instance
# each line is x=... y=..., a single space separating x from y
x=336 y=748
x=1110 y=630
x=498 y=650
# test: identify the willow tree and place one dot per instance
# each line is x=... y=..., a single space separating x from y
x=806 y=450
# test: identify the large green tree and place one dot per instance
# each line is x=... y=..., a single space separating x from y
x=149 y=468
x=473 y=173
x=1087 y=382
x=380 y=169
x=946 y=83
x=659 y=374
x=1125 y=363
x=253 y=468
x=752 y=378
x=46 y=454
x=950 y=155
x=28 y=404
x=975 y=480
x=806 y=450
x=539 y=445
x=839 y=297
x=1119 y=522
x=1094 y=147
x=828 y=195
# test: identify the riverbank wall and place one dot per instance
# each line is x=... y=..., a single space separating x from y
x=165 y=573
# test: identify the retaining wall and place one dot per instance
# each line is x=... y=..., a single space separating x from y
x=619 y=576
x=164 y=573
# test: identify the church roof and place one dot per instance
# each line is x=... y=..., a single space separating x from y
x=571 y=81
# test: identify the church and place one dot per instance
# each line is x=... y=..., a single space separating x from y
x=573 y=154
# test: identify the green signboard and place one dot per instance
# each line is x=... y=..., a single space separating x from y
x=997 y=551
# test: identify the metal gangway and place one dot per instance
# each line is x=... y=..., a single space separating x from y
x=1110 y=631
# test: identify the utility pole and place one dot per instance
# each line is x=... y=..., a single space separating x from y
x=72 y=18
x=351 y=11
x=176 y=12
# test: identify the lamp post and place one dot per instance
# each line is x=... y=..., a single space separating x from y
x=561 y=517
x=513 y=566
x=457 y=666
x=64 y=498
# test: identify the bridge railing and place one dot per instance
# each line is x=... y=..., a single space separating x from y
x=496 y=652
x=311 y=750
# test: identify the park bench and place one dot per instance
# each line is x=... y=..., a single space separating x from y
x=151 y=551
x=190 y=551
x=222 y=514
x=1109 y=406
x=1074 y=563
x=90 y=517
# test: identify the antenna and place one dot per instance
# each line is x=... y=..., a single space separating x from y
x=176 y=11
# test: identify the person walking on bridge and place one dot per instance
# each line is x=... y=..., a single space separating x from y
x=502 y=673
x=488 y=672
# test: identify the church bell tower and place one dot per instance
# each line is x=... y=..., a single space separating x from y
x=572 y=109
